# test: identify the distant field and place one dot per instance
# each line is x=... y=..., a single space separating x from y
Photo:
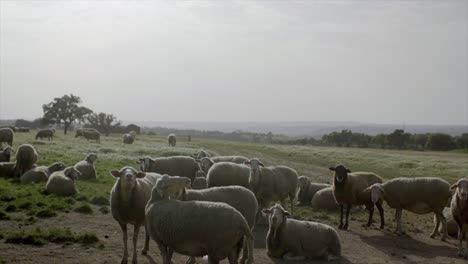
x=66 y=221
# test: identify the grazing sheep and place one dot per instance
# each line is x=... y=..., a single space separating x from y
x=7 y=169
x=419 y=195
x=452 y=226
x=128 y=199
x=348 y=189
x=242 y=199
x=172 y=140
x=26 y=156
x=194 y=228
x=45 y=133
x=293 y=239
x=184 y=166
x=41 y=173
x=307 y=190
x=129 y=138
x=86 y=167
x=5 y=154
x=92 y=135
x=459 y=208
x=63 y=182
x=79 y=132
x=6 y=135
x=227 y=174
x=206 y=162
x=274 y=183
x=324 y=200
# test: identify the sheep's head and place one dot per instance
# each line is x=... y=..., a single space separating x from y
x=377 y=192
x=171 y=185
x=56 y=166
x=133 y=133
x=254 y=165
x=202 y=154
x=341 y=173
x=91 y=157
x=72 y=173
x=303 y=182
x=8 y=151
x=276 y=216
x=127 y=176
x=462 y=189
x=145 y=163
x=206 y=163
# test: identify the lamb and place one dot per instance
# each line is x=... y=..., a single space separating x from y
x=172 y=140
x=26 y=156
x=41 y=173
x=45 y=133
x=324 y=200
x=274 y=183
x=227 y=174
x=307 y=190
x=348 y=189
x=86 y=167
x=6 y=135
x=459 y=208
x=92 y=135
x=63 y=182
x=419 y=195
x=5 y=154
x=128 y=199
x=7 y=169
x=293 y=239
x=206 y=162
x=242 y=199
x=174 y=166
x=194 y=228
x=129 y=138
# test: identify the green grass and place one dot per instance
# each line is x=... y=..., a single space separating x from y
x=39 y=237
x=84 y=209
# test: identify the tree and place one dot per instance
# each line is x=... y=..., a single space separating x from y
x=440 y=141
x=103 y=122
x=65 y=110
x=398 y=138
x=462 y=141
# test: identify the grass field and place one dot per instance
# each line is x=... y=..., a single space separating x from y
x=29 y=216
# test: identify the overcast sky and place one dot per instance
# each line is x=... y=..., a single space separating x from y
x=369 y=61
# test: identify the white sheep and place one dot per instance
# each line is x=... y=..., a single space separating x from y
x=452 y=226
x=6 y=135
x=45 y=133
x=419 y=195
x=459 y=208
x=128 y=199
x=41 y=173
x=26 y=157
x=172 y=140
x=194 y=228
x=199 y=183
x=227 y=174
x=293 y=239
x=174 y=166
x=348 y=189
x=86 y=167
x=129 y=138
x=206 y=162
x=324 y=200
x=5 y=154
x=63 y=182
x=307 y=190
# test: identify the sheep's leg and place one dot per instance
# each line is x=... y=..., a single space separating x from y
x=460 y=241
x=341 y=217
x=435 y=232
x=398 y=221
x=136 y=230
x=381 y=213
x=247 y=251
x=212 y=260
x=348 y=208
x=233 y=256
x=190 y=260
x=123 y=227
x=371 y=214
x=164 y=252
x=444 y=228
x=147 y=238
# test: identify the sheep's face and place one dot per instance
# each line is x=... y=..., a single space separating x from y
x=341 y=173
x=171 y=185
x=8 y=151
x=206 y=163
x=303 y=182
x=276 y=216
x=462 y=189
x=91 y=157
x=56 y=166
x=127 y=176
x=377 y=192
x=254 y=164
x=145 y=163
x=72 y=173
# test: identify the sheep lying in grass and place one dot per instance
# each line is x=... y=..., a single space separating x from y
x=297 y=240
x=26 y=157
x=128 y=199
x=6 y=135
x=324 y=200
x=420 y=195
x=274 y=183
x=41 y=173
x=63 y=182
x=86 y=167
x=459 y=209
x=45 y=133
x=242 y=199
x=5 y=154
x=348 y=189
x=307 y=190
x=172 y=140
x=174 y=166
x=194 y=228
x=129 y=138
x=7 y=169
x=227 y=174
x=206 y=162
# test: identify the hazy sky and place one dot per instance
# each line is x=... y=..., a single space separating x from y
x=369 y=61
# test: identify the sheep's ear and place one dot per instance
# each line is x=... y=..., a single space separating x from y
x=114 y=173
x=348 y=170
x=141 y=174
x=331 y=168
x=287 y=214
x=261 y=164
x=453 y=187
x=266 y=211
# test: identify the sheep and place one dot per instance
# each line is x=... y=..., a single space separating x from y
x=6 y=135
x=459 y=209
x=128 y=199
x=129 y=138
x=201 y=154
x=5 y=154
x=242 y=199
x=172 y=140
x=63 y=182
x=274 y=183
x=174 y=166
x=307 y=190
x=41 y=173
x=194 y=228
x=419 y=195
x=293 y=239
x=79 y=132
x=206 y=162
x=26 y=156
x=199 y=183
x=324 y=200
x=226 y=174
x=348 y=189
x=45 y=133
x=7 y=169
x=452 y=226
x=92 y=135
x=86 y=167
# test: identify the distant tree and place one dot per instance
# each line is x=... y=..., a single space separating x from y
x=398 y=138
x=419 y=140
x=103 y=122
x=440 y=141
x=65 y=110
x=462 y=141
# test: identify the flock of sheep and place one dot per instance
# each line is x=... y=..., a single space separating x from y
x=201 y=205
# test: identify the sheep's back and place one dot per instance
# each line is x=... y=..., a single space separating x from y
x=59 y=184
x=176 y=166
x=38 y=174
x=228 y=174
x=86 y=169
